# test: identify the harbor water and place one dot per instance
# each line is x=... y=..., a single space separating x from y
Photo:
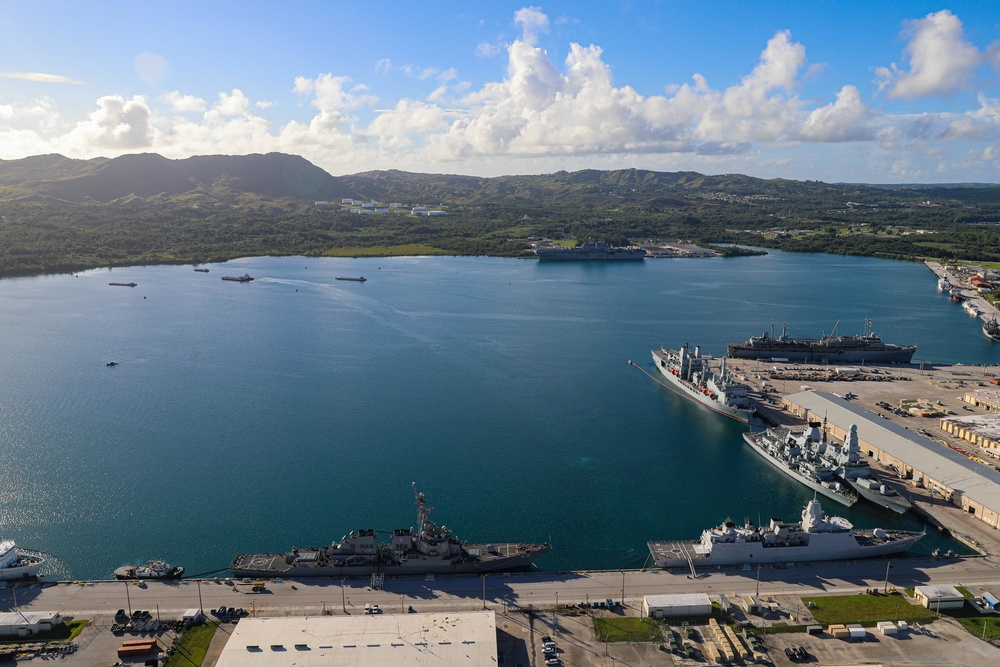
x=290 y=410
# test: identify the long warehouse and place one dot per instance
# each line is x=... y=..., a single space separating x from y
x=972 y=486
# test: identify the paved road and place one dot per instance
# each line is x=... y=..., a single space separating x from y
x=543 y=590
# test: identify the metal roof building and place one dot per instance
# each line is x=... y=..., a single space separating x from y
x=438 y=639
x=972 y=486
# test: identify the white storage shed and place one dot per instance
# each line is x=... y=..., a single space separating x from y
x=677 y=605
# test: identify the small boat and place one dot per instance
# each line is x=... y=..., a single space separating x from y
x=155 y=569
x=202 y=270
x=359 y=279
x=123 y=284
x=245 y=278
x=111 y=363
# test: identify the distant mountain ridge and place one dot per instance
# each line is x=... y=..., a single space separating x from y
x=284 y=176
x=147 y=175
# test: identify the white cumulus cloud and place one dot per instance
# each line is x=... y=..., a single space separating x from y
x=941 y=60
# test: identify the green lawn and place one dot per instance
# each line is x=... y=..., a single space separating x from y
x=627 y=629
x=866 y=609
x=193 y=646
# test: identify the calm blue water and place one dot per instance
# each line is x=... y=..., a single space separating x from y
x=293 y=409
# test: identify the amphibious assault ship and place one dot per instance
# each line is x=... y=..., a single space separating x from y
x=431 y=549
x=590 y=251
x=815 y=538
x=692 y=376
x=868 y=347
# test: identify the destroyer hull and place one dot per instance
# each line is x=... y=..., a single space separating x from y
x=822 y=354
x=689 y=391
x=275 y=565
x=846 y=501
x=671 y=554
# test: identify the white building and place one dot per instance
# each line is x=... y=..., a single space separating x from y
x=28 y=623
x=939 y=597
x=679 y=604
x=440 y=639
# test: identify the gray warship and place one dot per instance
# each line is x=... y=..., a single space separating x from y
x=591 y=251
x=431 y=549
x=867 y=347
x=693 y=376
x=815 y=538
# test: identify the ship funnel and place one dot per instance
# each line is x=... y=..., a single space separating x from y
x=697 y=351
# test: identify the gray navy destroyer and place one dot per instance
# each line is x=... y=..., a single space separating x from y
x=815 y=538
x=867 y=347
x=431 y=549
x=692 y=375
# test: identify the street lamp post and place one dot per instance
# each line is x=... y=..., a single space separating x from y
x=128 y=600
x=201 y=606
x=484 y=591
x=557 y=599
x=887 y=564
x=623 y=588
x=343 y=598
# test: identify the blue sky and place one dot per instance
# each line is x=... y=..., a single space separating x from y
x=834 y=91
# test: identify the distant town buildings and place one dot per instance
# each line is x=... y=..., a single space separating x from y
x=362 y=207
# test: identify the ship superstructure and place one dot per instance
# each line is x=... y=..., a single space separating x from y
x=430 y=549
x=815 y=538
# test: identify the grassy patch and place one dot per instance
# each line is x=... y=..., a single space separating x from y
x=407 y=250
x=975 y=624
x=866 y=609
x=627 y=629
x=965 y=592
x=193 y=646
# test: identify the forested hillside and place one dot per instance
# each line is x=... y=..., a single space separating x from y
x=59 y=214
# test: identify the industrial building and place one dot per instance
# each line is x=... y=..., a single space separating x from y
x=688 y=605
x=972 y=486
x=981 y=430
x=28 y=623
x=403 y=640
x=939 y=597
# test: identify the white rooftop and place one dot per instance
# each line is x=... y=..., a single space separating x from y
x=678 y=600
x=938 y=591
x=9 y=618
x=976 y=481
x=402 y=640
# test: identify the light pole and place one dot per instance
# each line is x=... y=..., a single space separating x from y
x=324 y=607
x=343 y=597
x=623 y=588
x=201 y=607
x=557 y=599
x=887 y=564
x=484 y=591
x=127 y=599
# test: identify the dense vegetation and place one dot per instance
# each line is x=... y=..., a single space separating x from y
x=58 y=214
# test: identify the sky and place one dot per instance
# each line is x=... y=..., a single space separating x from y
x=845 y=91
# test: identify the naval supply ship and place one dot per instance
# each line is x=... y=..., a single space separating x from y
x=591 y=251
x=432 y=549
x=868 y=347
x=816 y=538
x=692 y=376
x=15 y=564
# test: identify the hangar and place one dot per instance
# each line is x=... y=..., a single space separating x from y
x=969 y=485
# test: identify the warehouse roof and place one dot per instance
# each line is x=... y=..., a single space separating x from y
x=403 y=640
x=678 y=600
x=974 y=480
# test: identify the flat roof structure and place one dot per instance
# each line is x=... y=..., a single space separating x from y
x=403 y=640
x=970 y=485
